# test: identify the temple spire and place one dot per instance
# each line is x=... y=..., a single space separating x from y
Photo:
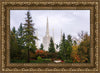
x=37 y=43
x=53 y=34
x=47 y=28
x=61 y=34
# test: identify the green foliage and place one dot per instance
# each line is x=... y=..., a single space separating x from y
x=41 y=61
x=23 y=40
x=28 y=36
x=68 y=61
x=65 y=47
x=74 y=43
x=39 y=58
x=20 y=30
x=18 y=61
x=13 y=44
x=84 y=47
x=29 y=31
x=41 y=47
x=14 y=30
x=51 y=46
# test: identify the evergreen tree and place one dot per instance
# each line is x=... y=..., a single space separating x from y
x=15 y=32
x=51 y=46
x=20 y=35
x=74 y=42
x=62 y=49
x=41 y=47
x=13 y=44
x=69 y=47
x=69 y=38
x=29 y=31
x=20 y=30
x=65 y=47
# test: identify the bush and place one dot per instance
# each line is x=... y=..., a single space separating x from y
x=41 y=61
x=39 y=58
x=18 y=61
x=52 y=55
x=46 y=60
x=33 y=55
x=68 y=61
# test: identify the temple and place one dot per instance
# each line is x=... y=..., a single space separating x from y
x=46 y=38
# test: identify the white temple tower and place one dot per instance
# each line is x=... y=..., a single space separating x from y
x=46 y=38
x=37 y=43
x=61 y=35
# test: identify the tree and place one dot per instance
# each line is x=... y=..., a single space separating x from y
x=51 y=46
x=20 y=35
x=69 y=38
x=15 y=32
x=41 y=47
x=69 y=47
x=65 y=48
x=28 y=33
x=74 y=43
x=81 y=35
x=74 y=53
x=13 y=44
x=20 y=30
x=84 y=48
x=62 y=49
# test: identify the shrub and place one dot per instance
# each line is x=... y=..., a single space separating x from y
x=39 y=58
x=39 y=51
x=68 y=61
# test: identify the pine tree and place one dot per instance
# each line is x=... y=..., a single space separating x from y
x=65 y=47
x=20 y=30
x=51 y=46
x=15 y=32
x=69 y=47
x=28 y=33
x=13 y=43
x=62 y=51
x=20 y=34
x=41 y=47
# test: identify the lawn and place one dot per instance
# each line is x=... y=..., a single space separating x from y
x=33 y=61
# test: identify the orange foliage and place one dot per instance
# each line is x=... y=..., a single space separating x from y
x=39 y=51
x=74 y=53
x=76 y=58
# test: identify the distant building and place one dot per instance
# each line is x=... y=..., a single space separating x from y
x=46 y=38
x=37 y=43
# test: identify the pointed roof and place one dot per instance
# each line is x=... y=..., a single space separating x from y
x=53 y=34
x=61 y=34
x=47 y=28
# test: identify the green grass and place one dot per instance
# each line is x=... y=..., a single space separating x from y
x=32 y=61
x=41 y=61
x=18 y=61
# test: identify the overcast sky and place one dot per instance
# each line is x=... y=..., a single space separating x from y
x=69 y=21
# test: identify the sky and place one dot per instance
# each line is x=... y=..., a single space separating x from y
x=68 y=21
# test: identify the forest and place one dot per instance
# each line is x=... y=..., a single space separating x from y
x=23 y=46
